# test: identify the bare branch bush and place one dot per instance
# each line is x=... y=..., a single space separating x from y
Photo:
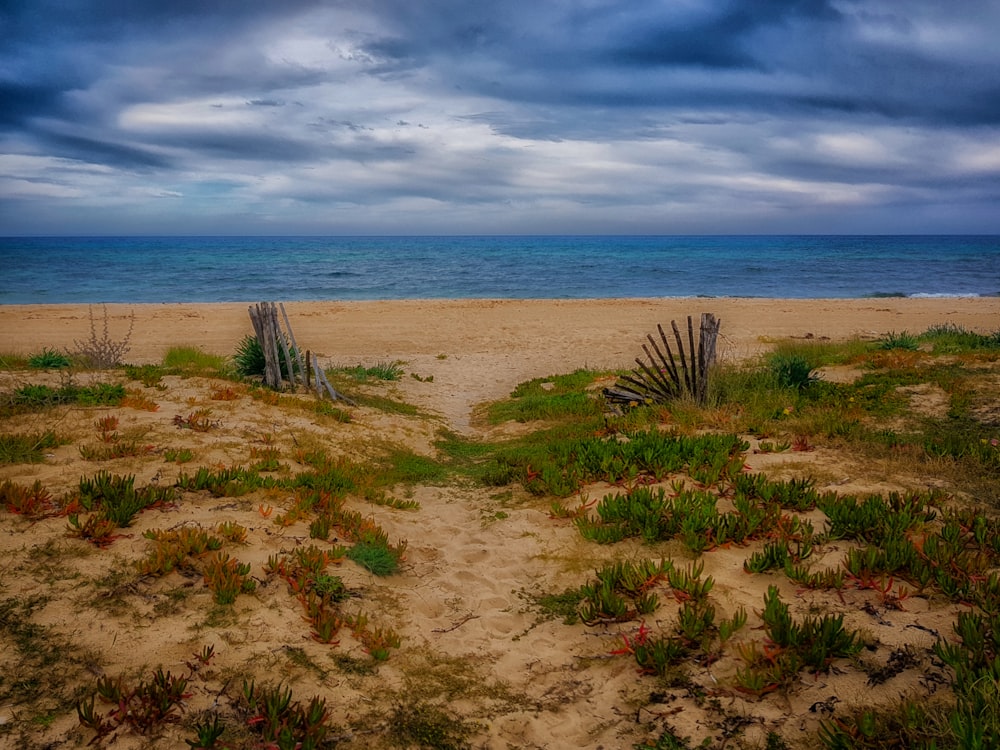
x=102 y=352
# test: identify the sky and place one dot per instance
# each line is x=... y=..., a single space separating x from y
x=250 y=117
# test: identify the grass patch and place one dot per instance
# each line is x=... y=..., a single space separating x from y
x=377 y=559
x=558 y=397
x=38 y=666
x=421 y=724
x=386 y=404
x=35 y=397
x=951 y=339
x=27 y=448
x=563 y=607
x=190 y=360
x=388 y=371
x=9 y=361
x=403 y=466
x=49 y=359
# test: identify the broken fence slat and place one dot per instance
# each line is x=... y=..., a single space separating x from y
x=295 y=346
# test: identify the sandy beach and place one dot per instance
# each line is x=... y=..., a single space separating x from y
x=470 y=640
x=491 y=345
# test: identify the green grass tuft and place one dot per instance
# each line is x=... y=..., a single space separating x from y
x=362 y=373
x=26 y=448
x=190 y=360
x=49 y=359
x=375 y=558
x=558 y=397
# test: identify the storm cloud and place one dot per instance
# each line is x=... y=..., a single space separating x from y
x=447 y=116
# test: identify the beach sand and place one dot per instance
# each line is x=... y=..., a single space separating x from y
x=475 y=557
x=489 y=345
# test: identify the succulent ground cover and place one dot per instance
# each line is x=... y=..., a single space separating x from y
x=809 y=559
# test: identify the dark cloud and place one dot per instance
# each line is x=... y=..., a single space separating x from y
x=95 y=151
x=521 y=102
x=19 y=102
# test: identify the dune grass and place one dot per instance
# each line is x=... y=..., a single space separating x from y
x=190 y=360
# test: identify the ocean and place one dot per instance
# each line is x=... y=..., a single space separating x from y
x=37 y=270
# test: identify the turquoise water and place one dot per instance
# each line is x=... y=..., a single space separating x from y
x=226 y=269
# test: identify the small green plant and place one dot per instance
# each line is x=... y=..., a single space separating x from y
x=141 y=707
x=227 y=578
x=49 y=359
x=34 y=397
x=687 y=584
x=816 y=641
x=249 y=360
x=792 y=371
x=116 y=497
x=388 y=371
x=330 y=587
x=178 y=455
x=564 y=606
x=283 y=722
x=149 y=375
x=893 y=340
x=374 y=557
x=198 y=420
x=208 y=731
x=620 y=591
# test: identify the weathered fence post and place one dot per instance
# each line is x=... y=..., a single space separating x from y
x=662 y=379
x=264 y=317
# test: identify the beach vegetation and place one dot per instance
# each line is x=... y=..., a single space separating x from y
x=375 y=557
x=552 y=462
x=948 y=338
x=328 y=410
x=40 y=668
x=151 y=376
x=386 y=404
x=27 y=447
x=415 y=723
x=281 y=721
x=100 y=350
x=191 y=360
x=561 y=397
x=403 y=466
x=33 y=397
x=178 y=455
x=227 y=578
x=904 y=340
x=207 y=732
x=116 y=446
x=821 y=352
x=199 y=421
x=13 y=361
x=49 y=359
x=792 y=371
x=386 y=371
x=249 y=361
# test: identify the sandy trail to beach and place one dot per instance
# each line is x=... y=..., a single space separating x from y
x=475 y=556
